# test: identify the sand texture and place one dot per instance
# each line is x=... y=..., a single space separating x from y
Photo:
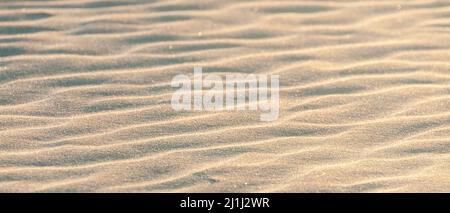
x=85 y=96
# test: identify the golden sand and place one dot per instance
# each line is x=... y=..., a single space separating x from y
x=85 y=96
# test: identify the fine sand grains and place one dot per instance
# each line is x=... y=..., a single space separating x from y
x=85 y=96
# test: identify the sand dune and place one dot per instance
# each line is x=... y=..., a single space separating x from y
x=85 y=96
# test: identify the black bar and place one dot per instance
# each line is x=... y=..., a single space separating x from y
x=277 y=201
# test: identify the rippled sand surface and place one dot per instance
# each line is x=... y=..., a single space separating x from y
x=85 y=96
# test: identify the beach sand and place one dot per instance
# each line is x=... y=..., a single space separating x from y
x=85 y=96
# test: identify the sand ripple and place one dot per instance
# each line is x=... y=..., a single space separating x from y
x=85 y=96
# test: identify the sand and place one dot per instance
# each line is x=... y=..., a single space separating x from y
x=85 y=96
